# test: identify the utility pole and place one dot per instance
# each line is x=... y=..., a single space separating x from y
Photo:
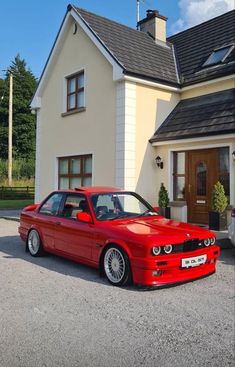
x=10 y=130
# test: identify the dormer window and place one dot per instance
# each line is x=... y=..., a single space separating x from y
x=219 y=55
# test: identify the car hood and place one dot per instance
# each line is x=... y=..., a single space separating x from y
x=163 y=229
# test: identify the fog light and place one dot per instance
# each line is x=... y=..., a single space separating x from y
x=157 y=273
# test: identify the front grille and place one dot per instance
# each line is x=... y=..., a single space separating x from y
x=189 y=245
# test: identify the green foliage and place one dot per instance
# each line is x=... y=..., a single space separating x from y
x=24 y=123
x=21 y=169
x=219 y=199
x=15 y=204
x=163 y=198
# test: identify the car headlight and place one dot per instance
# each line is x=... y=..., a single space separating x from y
x=168 y=249
x=212 y=240
x=156 y=250
x=207 y=242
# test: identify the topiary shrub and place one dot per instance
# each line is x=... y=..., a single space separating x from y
x=219 y=199
x=163 y=198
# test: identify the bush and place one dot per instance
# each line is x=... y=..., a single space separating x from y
x=163 y=198
x=219 y=199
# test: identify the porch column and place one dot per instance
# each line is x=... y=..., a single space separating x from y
x=126 y=135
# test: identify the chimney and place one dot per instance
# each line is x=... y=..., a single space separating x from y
x=154 y=25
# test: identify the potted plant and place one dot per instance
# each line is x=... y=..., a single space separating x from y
x=219 y=202
x=163 y=202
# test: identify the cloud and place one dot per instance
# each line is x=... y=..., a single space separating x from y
x=193 y=12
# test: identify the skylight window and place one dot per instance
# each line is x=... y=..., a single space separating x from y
x=218 y=56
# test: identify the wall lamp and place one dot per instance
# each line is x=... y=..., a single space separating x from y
x=233 y=155
x=159 y=162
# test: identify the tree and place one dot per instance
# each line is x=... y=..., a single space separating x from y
x=24 y=123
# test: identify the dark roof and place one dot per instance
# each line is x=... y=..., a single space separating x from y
x=193 y=46
x=210 y=114
x=140 y=56
x=137 y=53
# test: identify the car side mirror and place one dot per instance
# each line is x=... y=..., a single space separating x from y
x=155 y=208
x=84 y=217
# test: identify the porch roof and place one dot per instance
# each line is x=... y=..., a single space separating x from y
x=211 y=114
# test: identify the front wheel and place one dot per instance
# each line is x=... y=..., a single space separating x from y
x=116 y=266
x=34 y=243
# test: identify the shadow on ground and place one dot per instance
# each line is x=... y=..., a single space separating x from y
x=13 y=248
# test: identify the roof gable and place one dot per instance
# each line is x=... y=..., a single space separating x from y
x=136 y=51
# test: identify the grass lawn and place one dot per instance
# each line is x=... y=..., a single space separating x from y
x=14 y=204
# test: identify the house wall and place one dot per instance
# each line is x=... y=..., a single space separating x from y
x=209 y=87
x=89 y=132
x=152 y=107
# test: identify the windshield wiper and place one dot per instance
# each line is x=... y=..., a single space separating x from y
x=119 y=216
x=146 y=213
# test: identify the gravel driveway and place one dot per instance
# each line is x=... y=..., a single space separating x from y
x=54 y=312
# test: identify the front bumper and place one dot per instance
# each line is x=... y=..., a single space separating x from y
x=166 y=270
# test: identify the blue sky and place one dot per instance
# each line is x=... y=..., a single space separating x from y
x=29 y=27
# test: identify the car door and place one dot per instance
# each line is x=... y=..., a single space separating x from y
x=72 y=236
x=47 y=217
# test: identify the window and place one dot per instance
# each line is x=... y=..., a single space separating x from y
x=51 y=205
x=75 y=171
x=218 y=56
x=74 y=204
x=179 y=176
x=113 y=206
x=201 y=179
x=75 y=92
x=224 y=169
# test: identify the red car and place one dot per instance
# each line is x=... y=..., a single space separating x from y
x=119 y=233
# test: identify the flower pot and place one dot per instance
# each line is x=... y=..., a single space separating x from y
x=165 y=212
x=218 y=221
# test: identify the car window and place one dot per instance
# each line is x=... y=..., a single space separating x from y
x=52 y=204
x=119 y=205
x=74 y=204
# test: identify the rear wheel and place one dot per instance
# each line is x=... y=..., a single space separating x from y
x=116 y=266
x=34 y=243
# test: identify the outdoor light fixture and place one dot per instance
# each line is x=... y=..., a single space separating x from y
x=233 y=154
x=159 y=162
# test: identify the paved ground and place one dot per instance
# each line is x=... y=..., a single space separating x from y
x=54 y=312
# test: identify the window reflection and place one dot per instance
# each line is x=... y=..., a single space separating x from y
x=224 y=159
x=201 y=172
x=179 y=176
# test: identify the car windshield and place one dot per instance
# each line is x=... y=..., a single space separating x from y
x=111 y=206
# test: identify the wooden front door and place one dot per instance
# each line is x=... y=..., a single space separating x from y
x=202 y=175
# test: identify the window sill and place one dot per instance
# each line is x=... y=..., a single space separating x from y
x=68 y=113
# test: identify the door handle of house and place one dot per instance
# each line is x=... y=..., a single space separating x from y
x=189 y=188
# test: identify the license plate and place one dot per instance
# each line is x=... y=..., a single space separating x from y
x=193 y=261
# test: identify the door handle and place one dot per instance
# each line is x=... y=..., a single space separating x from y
x=58 y=223
x=189 y=188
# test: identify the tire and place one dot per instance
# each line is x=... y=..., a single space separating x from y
x=116 y=266
x=34 y=244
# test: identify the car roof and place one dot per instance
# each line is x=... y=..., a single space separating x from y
x=92 y=189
